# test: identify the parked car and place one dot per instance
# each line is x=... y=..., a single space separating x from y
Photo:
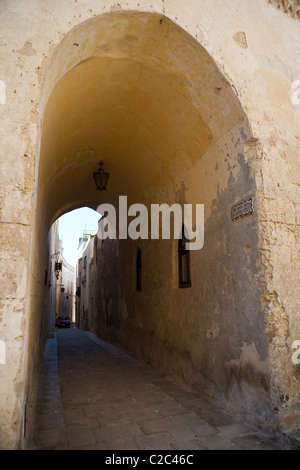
x=63 y=322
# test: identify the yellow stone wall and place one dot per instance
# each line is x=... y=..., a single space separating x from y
x=158 y=90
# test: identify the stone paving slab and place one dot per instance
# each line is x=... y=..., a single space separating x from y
x=95 y=396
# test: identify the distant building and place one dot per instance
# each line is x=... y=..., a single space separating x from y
x=66 y=304
x=84 y=300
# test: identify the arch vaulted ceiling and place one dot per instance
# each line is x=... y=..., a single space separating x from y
x=136 y=91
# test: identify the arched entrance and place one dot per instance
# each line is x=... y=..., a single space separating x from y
x=136 y=91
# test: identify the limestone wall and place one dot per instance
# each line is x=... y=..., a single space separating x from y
x=256 y=48
x=201 y=334
x=86 y=283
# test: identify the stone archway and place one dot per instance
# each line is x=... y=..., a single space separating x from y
x=182 y=139
x=135 y=90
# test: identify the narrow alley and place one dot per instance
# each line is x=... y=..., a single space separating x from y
x=93 y=396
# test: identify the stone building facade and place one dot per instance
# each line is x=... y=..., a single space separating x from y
x=185 y=102
x=66 y=300
x=85 y=283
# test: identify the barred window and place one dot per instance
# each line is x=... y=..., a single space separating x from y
x=184 y=261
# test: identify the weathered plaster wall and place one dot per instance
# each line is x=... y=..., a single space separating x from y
x=87 y=283
x=196 y=334
x=51 y=287
x=256 y=47
x=66 y=296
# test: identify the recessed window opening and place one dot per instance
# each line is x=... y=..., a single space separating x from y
x=184 y=261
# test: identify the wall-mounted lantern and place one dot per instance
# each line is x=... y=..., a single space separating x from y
x=101 y=178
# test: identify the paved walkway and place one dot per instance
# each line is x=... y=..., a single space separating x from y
x=91 y=395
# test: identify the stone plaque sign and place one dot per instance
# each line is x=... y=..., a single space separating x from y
x=242 y=209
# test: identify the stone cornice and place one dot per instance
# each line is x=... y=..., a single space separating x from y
x=290 y=7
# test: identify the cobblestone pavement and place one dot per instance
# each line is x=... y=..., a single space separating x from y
x=93 y=396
